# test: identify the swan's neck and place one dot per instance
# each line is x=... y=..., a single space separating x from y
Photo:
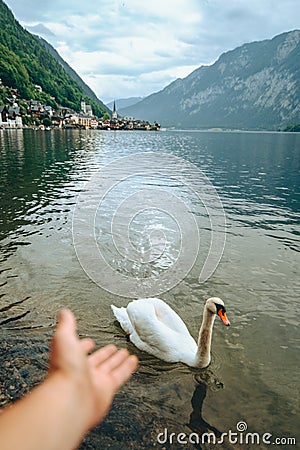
x=204 y=340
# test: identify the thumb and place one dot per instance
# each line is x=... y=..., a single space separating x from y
x=63 y=338
x=66 y=322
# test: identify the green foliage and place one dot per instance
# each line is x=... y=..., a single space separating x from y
x=4 y=93
x=25 y=62
x=106 y=116
x=47 y=122
x=13 y=73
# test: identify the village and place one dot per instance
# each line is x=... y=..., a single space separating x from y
x=37 y=115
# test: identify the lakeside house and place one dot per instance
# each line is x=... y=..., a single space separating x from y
x=10 y=113
x=10 y=117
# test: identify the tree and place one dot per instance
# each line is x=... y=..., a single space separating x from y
x=47 y=122
x=105 y=116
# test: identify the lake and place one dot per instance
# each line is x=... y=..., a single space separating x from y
x=91 y=218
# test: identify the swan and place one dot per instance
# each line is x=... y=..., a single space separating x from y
x=154 y=327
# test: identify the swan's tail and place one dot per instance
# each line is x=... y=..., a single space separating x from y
x=122 y=317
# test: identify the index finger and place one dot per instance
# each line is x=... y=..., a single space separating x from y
x=123 y=372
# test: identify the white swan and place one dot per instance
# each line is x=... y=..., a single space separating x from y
x=155 y=328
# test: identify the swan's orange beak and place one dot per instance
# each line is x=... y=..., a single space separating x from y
x=223 y=317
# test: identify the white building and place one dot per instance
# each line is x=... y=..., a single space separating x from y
x=86 y=109
x=10 y=118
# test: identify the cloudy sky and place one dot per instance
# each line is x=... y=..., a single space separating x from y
x=124 y=48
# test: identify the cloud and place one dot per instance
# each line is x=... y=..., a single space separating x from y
x=121 y=86
x=40 y=30
x=128 y=47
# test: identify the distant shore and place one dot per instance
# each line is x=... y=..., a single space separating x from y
x=172 y=129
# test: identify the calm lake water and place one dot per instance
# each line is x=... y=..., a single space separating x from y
x=254 y=374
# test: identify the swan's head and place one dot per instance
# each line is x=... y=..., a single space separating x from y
x=216 y=306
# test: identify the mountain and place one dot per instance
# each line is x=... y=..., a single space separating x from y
x=25 y=62
x=86 y=89
x=124 y=103
x=255 y=86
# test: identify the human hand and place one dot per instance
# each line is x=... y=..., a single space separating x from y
x=97 y=376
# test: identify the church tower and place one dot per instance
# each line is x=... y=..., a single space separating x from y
x=83 y=106
x=114 y=114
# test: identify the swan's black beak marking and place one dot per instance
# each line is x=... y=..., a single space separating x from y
x=221 y=311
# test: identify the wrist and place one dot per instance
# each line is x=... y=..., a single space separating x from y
x=74 y=398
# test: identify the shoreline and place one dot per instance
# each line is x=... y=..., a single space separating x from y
x=165 y=129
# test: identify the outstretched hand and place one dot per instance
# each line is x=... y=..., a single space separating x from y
x=75 y=396
x=98 y=375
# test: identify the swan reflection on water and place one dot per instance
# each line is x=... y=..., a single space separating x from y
x=197 y=423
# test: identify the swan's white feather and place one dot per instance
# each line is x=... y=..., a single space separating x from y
x=157 y=329
x=123 y=319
